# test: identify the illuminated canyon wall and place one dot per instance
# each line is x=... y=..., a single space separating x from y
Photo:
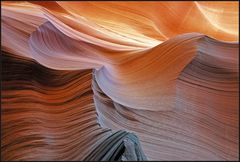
x=120 y=81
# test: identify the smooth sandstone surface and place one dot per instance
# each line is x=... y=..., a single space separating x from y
x=78 y=76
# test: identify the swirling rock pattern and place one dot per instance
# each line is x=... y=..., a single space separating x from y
x=75 y=83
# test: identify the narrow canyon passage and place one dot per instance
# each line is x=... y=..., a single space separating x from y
x=120 y=80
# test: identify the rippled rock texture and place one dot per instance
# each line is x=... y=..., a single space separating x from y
x=120 y=81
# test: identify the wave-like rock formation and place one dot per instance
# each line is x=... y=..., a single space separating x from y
x=120 y=81
x=55 y=118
